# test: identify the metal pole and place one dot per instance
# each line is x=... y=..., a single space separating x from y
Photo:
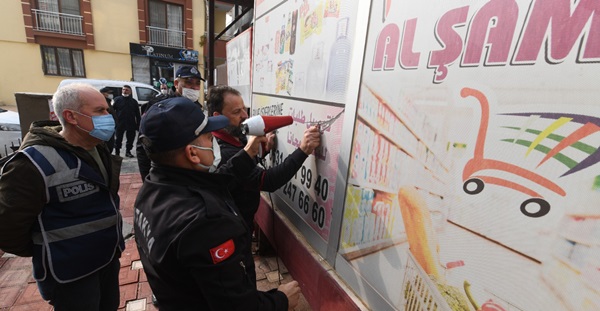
x=210 y=79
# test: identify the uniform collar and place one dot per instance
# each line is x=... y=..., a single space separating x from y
x=226 y=137
x=187 y=177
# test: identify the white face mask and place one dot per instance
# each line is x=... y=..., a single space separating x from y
x=190 y=94
x=110 y=96
x=125 y=95
x=164 y=92
x=216 y=154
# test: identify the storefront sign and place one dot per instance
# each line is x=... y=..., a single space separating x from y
x=179 y=55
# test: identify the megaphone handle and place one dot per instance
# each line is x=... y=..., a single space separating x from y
x=261 y=148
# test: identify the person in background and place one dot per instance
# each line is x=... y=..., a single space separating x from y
x=108 y=95
x=227 y=101
x=187 y=84
x=128 y=115
x=59 y=203
x=190 y=235
x=164 y=90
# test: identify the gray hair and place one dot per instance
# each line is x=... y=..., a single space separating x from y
x=69 y=97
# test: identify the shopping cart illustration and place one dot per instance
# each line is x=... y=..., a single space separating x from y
x=474 y=180
x=420 y=291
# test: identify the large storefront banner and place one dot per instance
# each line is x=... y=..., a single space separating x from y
x=239 y=64
x=303 y=49
x=301 y=60
x=310 y=193
x=474 y=180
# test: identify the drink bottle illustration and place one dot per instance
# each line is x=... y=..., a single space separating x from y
x=293 y=34
x=277 y=41
x=315 y=74
x=288 y=33
x=282 y=39
x=339 y=61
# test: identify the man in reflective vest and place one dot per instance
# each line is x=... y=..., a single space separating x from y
x=59 y=203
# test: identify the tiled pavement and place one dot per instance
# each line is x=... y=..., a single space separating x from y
x=18 y=291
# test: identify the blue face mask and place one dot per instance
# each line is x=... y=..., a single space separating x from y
x=104 y=126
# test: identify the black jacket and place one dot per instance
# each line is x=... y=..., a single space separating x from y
x=246 y=194
x=182 y=220
x=128 y=113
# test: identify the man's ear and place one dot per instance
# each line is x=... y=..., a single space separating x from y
x=216 y=114
x=69 y=117
x=190 y=154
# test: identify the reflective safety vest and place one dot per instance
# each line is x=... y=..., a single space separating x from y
x=78 y=231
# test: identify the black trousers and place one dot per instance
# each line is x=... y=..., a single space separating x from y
x=96 y=292
x=130 y=134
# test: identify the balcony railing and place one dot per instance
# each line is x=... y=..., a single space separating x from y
x=166 y=37
x=58 y=22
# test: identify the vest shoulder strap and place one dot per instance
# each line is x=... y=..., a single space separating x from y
x=54 y=165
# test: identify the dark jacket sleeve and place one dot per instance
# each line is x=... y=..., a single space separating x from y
x=144 y=162
x=117 y=103
x=241 y=165
x=227 y=152
x=275 y=177
x=138 y=117
x=270 y=179
x=22 y=197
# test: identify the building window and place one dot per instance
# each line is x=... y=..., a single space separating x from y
x=63 y=62
x=61 y=16
x=60 y=6
x=166 y=24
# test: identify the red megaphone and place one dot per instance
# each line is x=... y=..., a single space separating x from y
x=261 y=125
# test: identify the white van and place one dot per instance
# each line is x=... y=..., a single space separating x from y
x=141 y=92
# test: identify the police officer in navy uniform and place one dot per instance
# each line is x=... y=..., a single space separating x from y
x=188 y=81
x=191 y=237
x=59 y=203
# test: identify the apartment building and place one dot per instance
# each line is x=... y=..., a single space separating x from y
x=46 y=41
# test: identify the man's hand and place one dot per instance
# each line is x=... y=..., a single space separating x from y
x=253 y=146
x=292 y=291
x=271 y=142
x=311 y=140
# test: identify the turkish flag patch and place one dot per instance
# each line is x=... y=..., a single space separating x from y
x=222 y=251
